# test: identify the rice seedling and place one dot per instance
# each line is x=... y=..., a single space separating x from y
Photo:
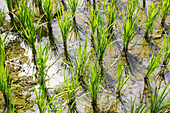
x=165 y=9
x=151 y=16
x=157 y=99
x=156 y=105
x=44 y=103
x=121 y=80
x=64 y=24
x=48 y=8
x=140 y=109
x=166 y=57
x=94 y=81
x=44 y=100
x=75 y=27
x=166 y=49
x=5 y=84
x=128 y=27
x=131 y=7
x=93 y=23
x=28 y=31
x=73 y=4
x=71 y=86
x=154 y=63
x=100 y=42
x=81 y=64
x=22 y=11
x=110 y=13
x=42 y=57
x=41 y=97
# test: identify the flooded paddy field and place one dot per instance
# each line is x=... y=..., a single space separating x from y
x=84 y=56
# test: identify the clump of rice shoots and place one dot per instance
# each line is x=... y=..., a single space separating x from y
x=48 y=8
x=157 y=104
x=64 y=23
x=151 y=16
x=75 y=28
x=165 y=9
x=94 y=82
x=22 y=9
x=81 y=64
x=44 y=99
x=71 y=86
x=129 y=26
x=100 y=42
x=154 y=63
x=121 y=79
x=5 y=84
x=73 y=5
x=139 y=109
x=28 y=28
x=110 y=13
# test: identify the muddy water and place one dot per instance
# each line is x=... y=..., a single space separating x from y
x=22 y=66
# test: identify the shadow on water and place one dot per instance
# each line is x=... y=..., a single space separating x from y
x=75 y=30
x=116 y=105
x=146 y=93
x=38 y=3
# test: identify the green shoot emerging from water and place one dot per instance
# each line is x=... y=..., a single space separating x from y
x=22 y=11
x=166 y=49
x=48 y=8
x=157 y=99
x=81 y=64
x=110 y=13
x=121 y=79
x=94 y=83
x=165 y=9
x=41 y=59
x=71 y=86
x=64 y=24
x=100 y=42
x=152 y=14
x=154 y=63
x=139 y=109
x=28 y=29
x=5 y=85
x=43 y=98
x=129 y=26
x=73 y=4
